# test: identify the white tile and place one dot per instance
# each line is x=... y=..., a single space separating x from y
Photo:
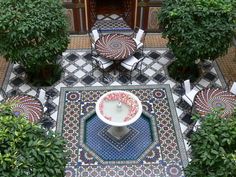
x=163 y=60
x=80 y=62
x=65 y=53
x=88 y=67
x=161 y=51
x=178 y=111
x=156 y=66
x=187 y=147
x=64 y=63
x=78 y=84
x=8 y=88
x=114 y=16
x=204 y=83
x=71 y=68
x=97 y=84
x=218 y=82
x=151 y=83
x=171 y=83
x=79 y=74
x=149 y=72
x=54 y=116
x=183 y=127
x=99 y=17
x=175 y=97
x=12 y=75
x=80 y=53
x=115 y=83
x=147 y=61
x=24 y=88
x=58 y=87
x=32 y=92
x=213 y=70
x=56 y=101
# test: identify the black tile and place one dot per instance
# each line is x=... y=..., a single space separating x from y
x=72 y=57
x=88 y=79
x=206 y=65
x=154 y=55
x=169 y=55
x=17 y=81
x=19 y=70
x=138 y=55
x=141 y=78
x=47 y=122
x=52 y=92
x=70 y=80
x=209 y=76
x=187 y=119
x=184 y=105
x=88 y=56
x=50 y=107
x=123 y=79
x=190 y=132
x=179 y=90
x=159 y=78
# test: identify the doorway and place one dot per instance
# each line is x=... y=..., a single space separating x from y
x=109 y=7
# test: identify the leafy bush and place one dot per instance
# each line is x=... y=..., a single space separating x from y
x=33 y=32
x=28 y=150
x=213 y=148
x=199 y=29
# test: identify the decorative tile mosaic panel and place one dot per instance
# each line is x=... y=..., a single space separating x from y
x=78 y=123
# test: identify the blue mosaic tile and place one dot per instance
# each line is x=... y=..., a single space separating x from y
x=128 y=149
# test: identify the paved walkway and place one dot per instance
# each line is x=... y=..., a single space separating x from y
x=226 y=63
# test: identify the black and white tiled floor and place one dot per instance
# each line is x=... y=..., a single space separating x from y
x=78 y=73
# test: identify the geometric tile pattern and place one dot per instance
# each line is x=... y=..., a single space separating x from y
x=167 y=153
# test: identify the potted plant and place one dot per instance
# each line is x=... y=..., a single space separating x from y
x=33 y=33
x=26 y=149
x=196 y=30
x=213 y=148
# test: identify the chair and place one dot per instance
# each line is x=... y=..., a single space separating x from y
x=233 y=88
x=189 y=93
x=132 y=64
x=101 y=63
x=94 y=35
x=139 y=38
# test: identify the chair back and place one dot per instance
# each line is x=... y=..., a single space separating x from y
x=138 y=64
x=187 y=86
x=233 y=88
x=139 y=35
x=95 y=34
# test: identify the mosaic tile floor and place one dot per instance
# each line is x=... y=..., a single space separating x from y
x=78 y=73
x=154 y=142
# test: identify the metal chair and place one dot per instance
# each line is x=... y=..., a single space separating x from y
x=189 y=93
x=132 y=64
x=233 y=88
x=101 y=63
x=94 y=35
x=139 y=38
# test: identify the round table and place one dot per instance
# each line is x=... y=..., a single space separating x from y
x=115 y=46
x=210 y=99
x=118 y=109
x=28 y=106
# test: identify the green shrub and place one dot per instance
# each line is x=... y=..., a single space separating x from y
x=199 y=29
x=27 y=150
x=213 y=148
x=33 y=32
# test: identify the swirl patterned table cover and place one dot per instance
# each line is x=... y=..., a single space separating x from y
x=115 y=46
x=210 y=99
x=28 y=106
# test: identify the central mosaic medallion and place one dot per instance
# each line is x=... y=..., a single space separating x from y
x=133 y=146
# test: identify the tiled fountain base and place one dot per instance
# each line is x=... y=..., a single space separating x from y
x=154 y=146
